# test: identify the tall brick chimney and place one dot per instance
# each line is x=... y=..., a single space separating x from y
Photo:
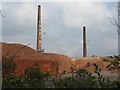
x=84 y=42
x=39 y=42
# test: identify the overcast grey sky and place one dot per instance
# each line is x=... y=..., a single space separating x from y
x=62 y=22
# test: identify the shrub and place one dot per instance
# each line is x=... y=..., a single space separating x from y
x=35 y=78
x=8 y=66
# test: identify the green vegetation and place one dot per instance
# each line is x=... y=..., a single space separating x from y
x=33 y=78
x=8 y=65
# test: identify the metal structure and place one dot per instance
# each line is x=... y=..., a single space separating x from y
x=84 y=42
x=39 y=41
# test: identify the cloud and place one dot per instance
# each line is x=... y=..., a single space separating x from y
x=19 y=24
x=63 y=24
x=25 y=13
x=78 y=14
x=0 y=21
x=60 y=1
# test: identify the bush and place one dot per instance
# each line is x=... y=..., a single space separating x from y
x=34 y=78
x=12 y=82
x=8 y=66
x=84 y=79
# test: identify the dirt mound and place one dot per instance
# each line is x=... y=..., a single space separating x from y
x=25 y=56
x=88 y=63
x=22 y=52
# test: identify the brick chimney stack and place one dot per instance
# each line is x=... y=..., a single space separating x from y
x=39 y=42
x=84 y=42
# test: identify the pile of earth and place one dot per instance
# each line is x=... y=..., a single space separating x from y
x=65 y=64
x=88 y=64
x=22 y=52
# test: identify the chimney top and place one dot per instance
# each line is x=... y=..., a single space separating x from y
x=83 y=27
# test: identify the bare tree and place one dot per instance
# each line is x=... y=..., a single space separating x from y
x=119 y=28
x=116 y=22
x=116 y=19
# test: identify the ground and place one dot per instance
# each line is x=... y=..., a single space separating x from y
x=53 y=63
